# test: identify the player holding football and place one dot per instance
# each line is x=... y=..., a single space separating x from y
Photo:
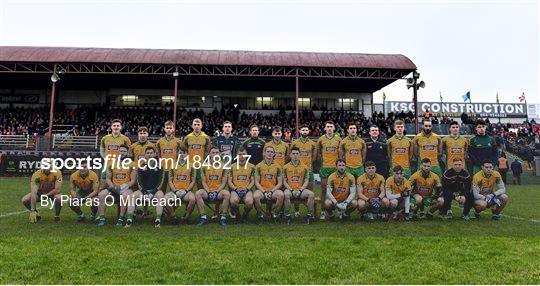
x=489 y=191
x=268 y=181
x=371 y=192
x=400 y=149
x=353 y=151
x=84 y=185
x=241 y=182
x=44 y=182
x=328 y=150
x=295 y=180
x=398 y=190
x=426 y=187
x=214 y=180
x=340 y=192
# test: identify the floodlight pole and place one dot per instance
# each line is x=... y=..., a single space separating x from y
x=297 y=109
x=51 y=111
x=175 y=75
x=415 y=100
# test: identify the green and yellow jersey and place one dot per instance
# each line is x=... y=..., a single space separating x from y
x=352 y=150
x=307 y=151
x=328 y=148
x=295 y=175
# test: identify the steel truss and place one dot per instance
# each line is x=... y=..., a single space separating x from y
x=205 y=70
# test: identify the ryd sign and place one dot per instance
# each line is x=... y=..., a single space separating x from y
x=455 y=109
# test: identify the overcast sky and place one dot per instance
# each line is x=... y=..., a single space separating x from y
x=482 y=46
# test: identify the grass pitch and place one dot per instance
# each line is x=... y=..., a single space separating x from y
x=356 y=252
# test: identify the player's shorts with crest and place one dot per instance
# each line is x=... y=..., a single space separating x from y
x=356 y=172
x=326 y=172
x=295 y=195
x=212 y=196
x=267 y=196
x=180 y=194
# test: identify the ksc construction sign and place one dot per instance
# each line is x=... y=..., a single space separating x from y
x=455 y=109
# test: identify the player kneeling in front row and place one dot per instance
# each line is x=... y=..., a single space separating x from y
x=340 y=192
x=371 y=192
x=214 y=180
x=181 y=181
x=150 y=179
x=44 y=183
x=241 y=181
x=296 y=180
x=398 y=190
x=120 y=178
x=489 y=191
x=456 y=185
x=84 y=185
x=426 y=188
x=268 y=181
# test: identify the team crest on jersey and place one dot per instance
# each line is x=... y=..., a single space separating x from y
x=196 y=146
x=181 y=177
x=456 y=150
x=330 y=149
x=428 y=147
x=354 y=151
x=295 y=178
x=168 y=151
x=400 y=150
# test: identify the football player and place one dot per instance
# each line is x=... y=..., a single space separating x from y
x=308 y=154
x=426 y=187
x=181 y=183
x=328 y=150
x=281 y=148
x=295 y=180
x=84 y=185
x=226 y=142
x=427 y=144
x=119 y=183
x=353 y=151
x=44 y=182
x=214 y=180
x=456 y=185
x=400 y=149
x=454 y=146
x=398 y=190
x=482 y=147
x=340 y=192
x=150 y=180
x=136 y=150
x=489 y=191
x=197 y=144
x=241 y=182
x=371 y=192
x=110 y=146
x=268 y=181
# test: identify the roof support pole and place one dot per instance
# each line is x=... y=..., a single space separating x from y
x=175 y=95
x=297 y=108
x=51 y=111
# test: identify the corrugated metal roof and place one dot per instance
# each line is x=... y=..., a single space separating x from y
x=203 y=57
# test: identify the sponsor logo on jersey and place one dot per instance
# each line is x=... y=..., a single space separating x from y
x=113 y=147
x=120 y=176
x=196 y=146
x=341 y=189
x=181 y=177
x=304 y=154
x=295 y=178
x=400 y=150
x=372 y=190
x=354 y=151
x=242 y=177
x=330 y=149
x=428 y=147
x=213 y=177
x=456 y=150
x=168 y=151
x=424 y=189
x=268 y=176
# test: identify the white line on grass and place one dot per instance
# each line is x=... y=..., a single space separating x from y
x=505 y=215
x=14 y=213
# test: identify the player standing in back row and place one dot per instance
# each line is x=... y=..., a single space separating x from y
x=328 y=149
x=427 y=144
